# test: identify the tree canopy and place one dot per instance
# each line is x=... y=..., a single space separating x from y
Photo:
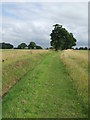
x=6 y=46
x=22 y=46
x=38 y=47
x=61 y=38
x=32 y=45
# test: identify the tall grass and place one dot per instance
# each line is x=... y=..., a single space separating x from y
x=16 y=63
x=77 y=66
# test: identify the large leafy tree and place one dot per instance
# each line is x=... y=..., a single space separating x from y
x=61 y=38
x=32 y=45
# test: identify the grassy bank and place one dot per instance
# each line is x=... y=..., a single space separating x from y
x=77 y=66
x=16 y=63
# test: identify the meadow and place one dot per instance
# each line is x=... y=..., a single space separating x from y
x=76 y=62
x=44 y=84
x=16 y=63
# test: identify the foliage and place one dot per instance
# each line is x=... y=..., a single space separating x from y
x=38 y=47
x=76 y=63
x=61 y=38
x=83 y=48
x=22 y=46
x=6 y=46
x=32 y=45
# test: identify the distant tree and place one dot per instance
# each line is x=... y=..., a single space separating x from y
x=22 y=46
x=6 y=46
x=32 y=45
x=61 y=38
x=80 y=48
x=76 y=48
x=47 y=48
x=38 y=47
x=51 y=48
x=85 y=48
x=0 y=45
x=15 y=47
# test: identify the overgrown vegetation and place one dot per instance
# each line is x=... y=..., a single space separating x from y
x=77 y=67
x=16 y=63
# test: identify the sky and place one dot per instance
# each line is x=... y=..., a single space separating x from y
x=26 y=22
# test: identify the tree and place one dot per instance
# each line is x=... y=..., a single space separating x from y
x=38 y=47
x=85 y=48
x=32 y=45
x=76 y=48
x=22 y=46
x=81 y=48
x=6 y=46
x=61 y=38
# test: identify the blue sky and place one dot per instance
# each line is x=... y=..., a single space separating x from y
x=26 y=22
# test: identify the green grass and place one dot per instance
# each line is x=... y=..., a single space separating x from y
x=16 y=64
x=76 y=63
x=46 y=91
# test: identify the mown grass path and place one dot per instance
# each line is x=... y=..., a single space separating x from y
x=44 y=92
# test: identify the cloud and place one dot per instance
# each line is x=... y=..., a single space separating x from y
x=25 y=22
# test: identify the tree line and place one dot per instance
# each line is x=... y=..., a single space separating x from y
x=32 y=45
x=61 y=39
x=81 y=48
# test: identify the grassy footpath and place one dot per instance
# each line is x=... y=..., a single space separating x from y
x=44 y=92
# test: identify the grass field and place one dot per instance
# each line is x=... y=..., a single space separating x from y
x=77 y=66
x=45 y=84
x=16 y=63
